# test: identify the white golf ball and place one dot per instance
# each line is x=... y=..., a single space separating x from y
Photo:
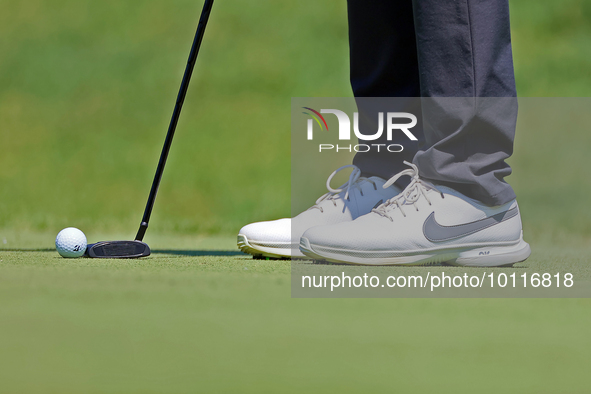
x=71 y=243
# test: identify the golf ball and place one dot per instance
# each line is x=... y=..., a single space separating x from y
x=71 y=243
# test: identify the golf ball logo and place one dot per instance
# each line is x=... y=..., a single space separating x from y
x=71 y=243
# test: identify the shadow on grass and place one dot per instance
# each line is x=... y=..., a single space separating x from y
x=160 y=251
x=199 y=252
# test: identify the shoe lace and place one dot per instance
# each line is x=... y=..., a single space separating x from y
x=354 y=182
x=409 y=196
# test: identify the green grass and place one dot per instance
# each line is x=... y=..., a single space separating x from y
x=196 y=320
x=551 y=47
x=86 y=91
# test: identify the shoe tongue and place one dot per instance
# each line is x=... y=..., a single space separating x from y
x=380 y=182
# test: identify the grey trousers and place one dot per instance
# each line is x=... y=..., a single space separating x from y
x=456 y=55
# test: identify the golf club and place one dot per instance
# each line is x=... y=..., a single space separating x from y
x=137 y=248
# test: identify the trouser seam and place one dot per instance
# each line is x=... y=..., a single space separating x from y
x=471 y=49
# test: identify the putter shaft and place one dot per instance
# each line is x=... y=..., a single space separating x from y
x=175 y=117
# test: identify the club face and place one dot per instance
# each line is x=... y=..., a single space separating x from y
x=118 y=250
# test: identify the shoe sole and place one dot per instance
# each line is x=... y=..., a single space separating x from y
x=268 y=250
x=475 y=256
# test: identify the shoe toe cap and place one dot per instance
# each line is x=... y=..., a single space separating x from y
x=271 y=231
x=330 y=235
x=368 y=232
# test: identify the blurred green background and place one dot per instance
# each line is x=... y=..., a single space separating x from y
x=87 y=89
x=86 y=92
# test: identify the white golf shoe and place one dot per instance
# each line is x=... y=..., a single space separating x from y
x=280 y=238
x=425 y=224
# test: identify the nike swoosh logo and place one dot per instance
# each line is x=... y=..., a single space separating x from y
x=435 y=232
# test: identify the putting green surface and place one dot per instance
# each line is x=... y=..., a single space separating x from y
x=86 y=92
x=198 y=316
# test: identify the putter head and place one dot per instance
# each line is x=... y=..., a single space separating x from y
x=118 y=250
